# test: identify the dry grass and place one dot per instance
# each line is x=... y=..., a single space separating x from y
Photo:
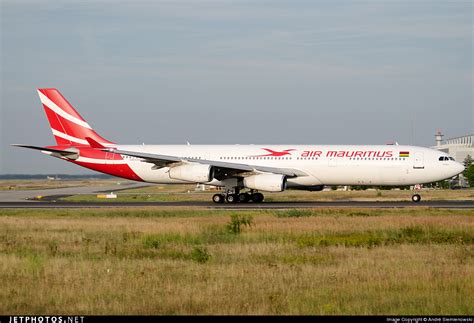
x=141 y=261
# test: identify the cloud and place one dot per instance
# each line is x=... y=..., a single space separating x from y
x=334 y=72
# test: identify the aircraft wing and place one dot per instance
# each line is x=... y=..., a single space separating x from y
x=166 y=160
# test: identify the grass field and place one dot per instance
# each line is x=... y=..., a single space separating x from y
x=30 y=184
x=183 y=192
x=175 y=193
x=322 y=261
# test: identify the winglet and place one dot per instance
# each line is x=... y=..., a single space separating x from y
x=93 y=143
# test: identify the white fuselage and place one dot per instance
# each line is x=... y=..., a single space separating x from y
x=390 y=165
x=270 y=168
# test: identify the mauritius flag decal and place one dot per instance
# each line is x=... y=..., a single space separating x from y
x=404 y=154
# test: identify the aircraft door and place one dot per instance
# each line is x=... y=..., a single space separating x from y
x=419 y=161
x=107 y=157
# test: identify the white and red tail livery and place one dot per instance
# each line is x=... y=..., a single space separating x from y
x=238 y=167
x=69 y=128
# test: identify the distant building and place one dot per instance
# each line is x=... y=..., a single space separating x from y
x=458 y=147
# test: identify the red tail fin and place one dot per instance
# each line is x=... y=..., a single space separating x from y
x=93 y=143
x=69 y=128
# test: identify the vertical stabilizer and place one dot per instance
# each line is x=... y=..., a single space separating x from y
x=69 y=128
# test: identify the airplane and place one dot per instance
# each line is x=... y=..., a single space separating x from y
x=242 y=171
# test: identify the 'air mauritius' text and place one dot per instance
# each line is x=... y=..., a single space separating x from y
x=347 y=153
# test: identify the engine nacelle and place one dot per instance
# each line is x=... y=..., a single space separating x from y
x=266 y=182
x=197 y=173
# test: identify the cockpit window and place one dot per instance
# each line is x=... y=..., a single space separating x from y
x=445 y=158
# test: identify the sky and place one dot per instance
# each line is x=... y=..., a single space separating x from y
x=236 y=72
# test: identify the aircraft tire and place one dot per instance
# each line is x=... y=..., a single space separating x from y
x=232 y=198
x=218 y=198
x=244 y=197
x=257 y=197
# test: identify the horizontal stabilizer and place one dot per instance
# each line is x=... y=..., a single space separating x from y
x=70 y=153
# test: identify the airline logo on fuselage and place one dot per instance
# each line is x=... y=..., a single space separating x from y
x=273 y=153
x=333 y=153
x=358 y=153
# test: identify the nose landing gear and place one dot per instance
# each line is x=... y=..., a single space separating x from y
x=416 y=197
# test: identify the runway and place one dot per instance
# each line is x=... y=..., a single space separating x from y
x=237 y=206
x=51 y=199
x=26 y=195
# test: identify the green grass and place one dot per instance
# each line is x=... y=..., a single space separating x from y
x=407 y=235
x=416 y=261
x=181 y=193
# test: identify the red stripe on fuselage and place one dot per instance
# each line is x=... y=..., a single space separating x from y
x=98 y=154
x=119 y=170
x=89 y=152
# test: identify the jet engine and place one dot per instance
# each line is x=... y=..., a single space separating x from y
x=197 y=173
x=266 y=182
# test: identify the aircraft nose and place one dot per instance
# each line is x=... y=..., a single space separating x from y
x=459 y=168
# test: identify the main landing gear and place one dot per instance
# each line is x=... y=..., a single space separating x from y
x=236 y=197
